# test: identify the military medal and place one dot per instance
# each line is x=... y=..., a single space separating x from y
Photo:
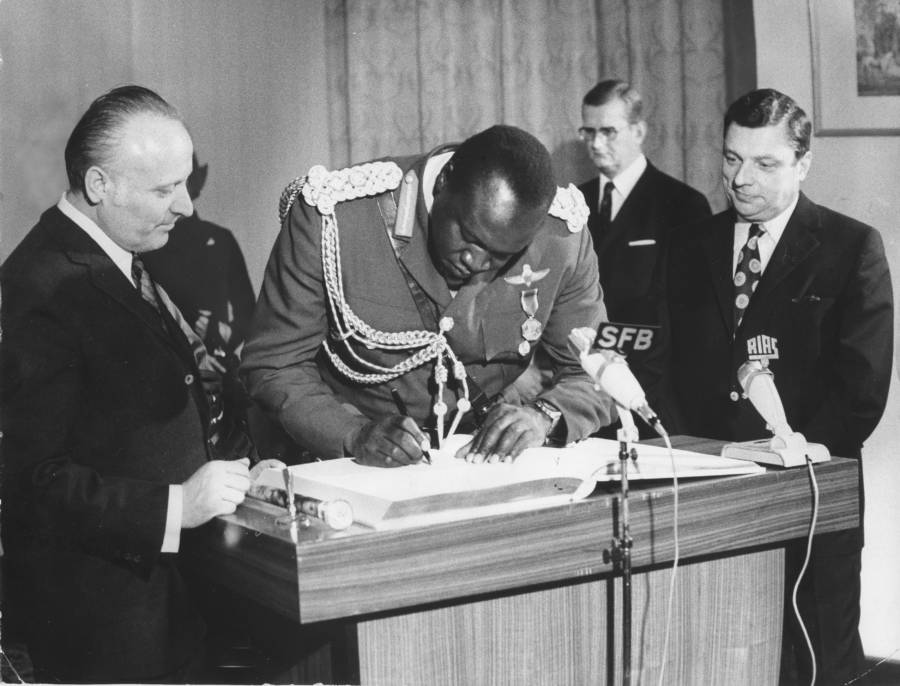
x=531 y=327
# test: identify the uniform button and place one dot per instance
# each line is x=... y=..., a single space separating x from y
x=735 y=396
x=188 y=379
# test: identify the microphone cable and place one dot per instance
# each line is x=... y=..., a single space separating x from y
x=809 y=543
x=675 y=559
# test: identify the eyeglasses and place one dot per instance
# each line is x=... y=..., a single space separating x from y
x=609 y=133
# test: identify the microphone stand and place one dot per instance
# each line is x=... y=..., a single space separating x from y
x=626 y=435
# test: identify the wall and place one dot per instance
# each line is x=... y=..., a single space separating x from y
x=857 y=176
x=248 y=77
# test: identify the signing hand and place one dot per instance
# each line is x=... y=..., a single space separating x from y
x=506 y=432
x=390 y=442
x=217 y=488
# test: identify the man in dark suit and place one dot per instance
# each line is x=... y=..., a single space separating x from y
x=781 y=278
x=634 y=207
x=106 y=448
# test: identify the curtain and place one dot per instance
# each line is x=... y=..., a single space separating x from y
x=674 y=53
x=406 y=75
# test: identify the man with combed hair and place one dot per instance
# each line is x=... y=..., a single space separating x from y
x=634 y=209
x=450 y=269
x=782 y=279
x=107 y=440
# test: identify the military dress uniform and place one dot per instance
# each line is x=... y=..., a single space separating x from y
x=352 y=306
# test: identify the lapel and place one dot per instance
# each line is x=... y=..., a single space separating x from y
x=796 y=244
x=717 y=244
x=591 y=192
x=630 y=221
x=414 y=254
x=107 y=277
x=636 y=204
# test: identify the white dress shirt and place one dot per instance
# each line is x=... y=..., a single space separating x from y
x=767 y=241
x=625 y=182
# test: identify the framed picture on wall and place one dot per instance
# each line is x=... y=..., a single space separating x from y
x=856 y=67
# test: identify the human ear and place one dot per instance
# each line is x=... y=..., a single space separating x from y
x=96 y=185
x=441 y=181
x=803 y=163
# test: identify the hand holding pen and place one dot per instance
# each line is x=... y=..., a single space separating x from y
x=392 y=441
x=424 y=442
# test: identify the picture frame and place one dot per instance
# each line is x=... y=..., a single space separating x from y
x=855 y=67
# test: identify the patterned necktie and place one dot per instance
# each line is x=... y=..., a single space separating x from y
x=142 y=281
x=210 y=370
x=156 y=296
x=606 y=204
x=747 y=274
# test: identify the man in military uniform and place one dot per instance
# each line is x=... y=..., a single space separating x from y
x=427 y=282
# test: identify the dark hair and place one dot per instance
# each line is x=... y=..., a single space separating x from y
x=508 y=153
x=95 y=134
x=769 y=107
x=616 y=89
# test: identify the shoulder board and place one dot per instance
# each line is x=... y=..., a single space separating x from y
x=323 y=189
x=569 y=205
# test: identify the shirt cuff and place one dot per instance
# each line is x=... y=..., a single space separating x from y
x=172 y=539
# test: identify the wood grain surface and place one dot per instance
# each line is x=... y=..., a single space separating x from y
x=328 y=575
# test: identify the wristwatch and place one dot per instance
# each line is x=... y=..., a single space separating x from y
x=549 y=411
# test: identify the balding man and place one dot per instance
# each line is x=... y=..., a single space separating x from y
x=106 y=447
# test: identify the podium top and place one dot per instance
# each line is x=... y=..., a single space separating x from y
x=326 y=574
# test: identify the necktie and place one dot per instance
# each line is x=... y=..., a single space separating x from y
x=143 y=282
x=210 y=370
x=606 y=204
x=155 y=296
x=747 y=274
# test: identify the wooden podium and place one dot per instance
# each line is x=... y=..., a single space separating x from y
x=532 y=598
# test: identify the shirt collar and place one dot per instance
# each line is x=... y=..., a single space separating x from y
x=627 y=179
x=774 y=227
x=119 y=256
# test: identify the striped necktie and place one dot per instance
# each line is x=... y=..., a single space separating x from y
x=210 y=369
x=747 y=274
x=155 y=296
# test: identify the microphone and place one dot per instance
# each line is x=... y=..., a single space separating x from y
x=758 y=384
x=611 y=374
x=337 y=514
x=786 y=448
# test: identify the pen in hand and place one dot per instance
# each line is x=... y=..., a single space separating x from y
x=401 y=408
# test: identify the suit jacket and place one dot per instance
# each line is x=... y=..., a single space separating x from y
x=630 y=274
x=102 y=409
x=288 y=373
x=823 y=308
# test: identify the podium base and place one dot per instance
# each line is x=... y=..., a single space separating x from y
x=763 y=452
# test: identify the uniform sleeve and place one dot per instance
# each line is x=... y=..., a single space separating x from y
x=279 y=363
x=859 y=378
x=578 y=304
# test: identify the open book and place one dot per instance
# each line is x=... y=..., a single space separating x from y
x=451 y=489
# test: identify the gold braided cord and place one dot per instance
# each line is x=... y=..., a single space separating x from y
x=323 y=189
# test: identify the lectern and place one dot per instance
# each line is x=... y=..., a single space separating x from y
x=532 y=598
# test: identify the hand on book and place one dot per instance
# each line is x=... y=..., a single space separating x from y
x=506 y=432
x=389 y=442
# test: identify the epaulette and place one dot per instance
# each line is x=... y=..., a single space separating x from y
x=323 y=189
x=569 y=205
